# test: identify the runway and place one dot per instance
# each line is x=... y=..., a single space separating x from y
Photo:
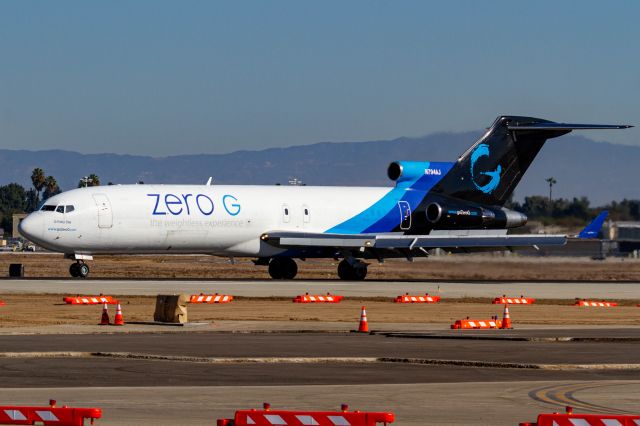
x=424 y=373
x=268 y=288
x=188 y=387
x=344 y=345
x=498 y=403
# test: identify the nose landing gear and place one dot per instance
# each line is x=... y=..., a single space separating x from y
x=79 y=270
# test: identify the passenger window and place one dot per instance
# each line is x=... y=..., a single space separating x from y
x=48 y=208
x=69 y=209
x=60 y=209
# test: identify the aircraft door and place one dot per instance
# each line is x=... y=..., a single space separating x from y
x=405 y=215
x=105 y=215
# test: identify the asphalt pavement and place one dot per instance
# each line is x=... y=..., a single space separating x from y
x=480 y=403
x=186 y=388
x=283 y=345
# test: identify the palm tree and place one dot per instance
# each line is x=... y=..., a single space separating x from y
x=551 y=181
x=51 y=187
x=94 y=180
x=37 y=179
x=91 y=180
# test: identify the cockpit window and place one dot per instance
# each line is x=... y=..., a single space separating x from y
x=70 y=209
x=60 y=209
x=48 y=208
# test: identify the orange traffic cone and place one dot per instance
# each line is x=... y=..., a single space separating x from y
x=506 y=320
x=105 y=315
x=118 y=319
x=363 y=327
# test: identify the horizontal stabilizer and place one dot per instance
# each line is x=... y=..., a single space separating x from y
x=566 y=126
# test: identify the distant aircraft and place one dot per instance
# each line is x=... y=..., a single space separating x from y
x=456 y=206
x=594 y=227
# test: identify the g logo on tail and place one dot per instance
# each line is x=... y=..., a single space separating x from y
x=483 y=151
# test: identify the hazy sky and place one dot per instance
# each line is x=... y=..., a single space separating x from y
x=159 y=77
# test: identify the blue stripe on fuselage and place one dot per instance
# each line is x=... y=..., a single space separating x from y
x=384 y=214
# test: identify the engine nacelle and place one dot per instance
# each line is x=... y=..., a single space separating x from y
x=454 y=217
x=512 y=219
x=444 y=216
x=400 y=171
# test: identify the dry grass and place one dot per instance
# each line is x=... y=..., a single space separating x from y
x=38 y=309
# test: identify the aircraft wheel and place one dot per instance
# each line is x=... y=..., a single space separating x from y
x=348 y=272
x=74 y=270
x=283 y=268
x=360 y=273
x=275 y=269
x=345 y=271
x=83 y=270
x=290 y=269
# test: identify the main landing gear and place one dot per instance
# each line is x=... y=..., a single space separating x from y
x=352 y=270
x=79 y=270
x=283 y=268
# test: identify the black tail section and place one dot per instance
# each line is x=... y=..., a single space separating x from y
x=489 y=171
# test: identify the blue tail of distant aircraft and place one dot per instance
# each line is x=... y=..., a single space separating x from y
x=592 y=229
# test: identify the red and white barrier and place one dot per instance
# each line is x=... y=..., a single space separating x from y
x=312 y=298
x=571 y=419
x=210 y=298
x=49 y=415
x=407 y=298
x=513 y=301
x=595 y=304
x=473 y=324
x=268 y=417
x=90 y=300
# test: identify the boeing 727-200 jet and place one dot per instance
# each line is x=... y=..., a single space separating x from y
x=455 y=206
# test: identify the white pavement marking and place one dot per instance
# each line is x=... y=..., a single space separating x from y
x=266 y=288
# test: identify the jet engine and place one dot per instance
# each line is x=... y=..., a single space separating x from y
x=400 y=171
x=458 y=216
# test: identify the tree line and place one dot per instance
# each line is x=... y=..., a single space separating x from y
x=573 y=212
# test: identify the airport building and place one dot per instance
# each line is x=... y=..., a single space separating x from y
x=16 y=219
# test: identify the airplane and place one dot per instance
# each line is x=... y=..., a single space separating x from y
x=455 y=206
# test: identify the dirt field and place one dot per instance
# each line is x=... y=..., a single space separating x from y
x=453 y=267
x=29 y=310
x=38 y=309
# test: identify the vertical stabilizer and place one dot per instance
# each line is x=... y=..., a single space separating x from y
x=593 y=229
x=489 y=171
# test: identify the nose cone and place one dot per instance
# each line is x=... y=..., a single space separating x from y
x=31 y=227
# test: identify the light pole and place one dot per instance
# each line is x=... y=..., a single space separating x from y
x=86 y=180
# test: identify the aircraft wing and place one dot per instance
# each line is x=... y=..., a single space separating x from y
x=397 y=241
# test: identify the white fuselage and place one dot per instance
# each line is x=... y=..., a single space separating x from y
x=225 y=220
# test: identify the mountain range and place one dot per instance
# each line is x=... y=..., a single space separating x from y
x=600 y=171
